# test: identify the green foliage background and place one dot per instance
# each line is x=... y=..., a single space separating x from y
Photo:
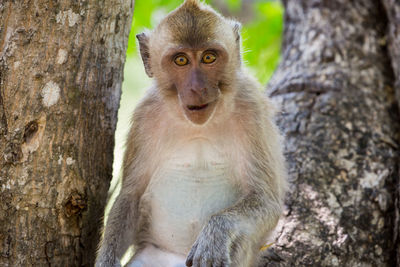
x=261 y=37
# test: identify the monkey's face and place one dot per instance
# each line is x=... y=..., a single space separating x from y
x=190 y=54
x=196 y=75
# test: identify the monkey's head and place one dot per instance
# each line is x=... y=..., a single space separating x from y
x=194 y=55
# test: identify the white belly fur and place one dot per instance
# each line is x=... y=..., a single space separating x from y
x=194 y=183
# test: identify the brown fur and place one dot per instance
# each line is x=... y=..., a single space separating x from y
x=197 y=21
x=236 y=128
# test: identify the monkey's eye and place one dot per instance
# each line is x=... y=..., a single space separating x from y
x=181 y=60
x=209 y=58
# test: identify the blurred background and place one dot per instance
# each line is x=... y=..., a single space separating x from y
x=261 y=39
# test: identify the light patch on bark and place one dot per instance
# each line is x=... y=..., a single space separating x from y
x=23 y=178
x=323 y=214
x=348 y=165
x=383 y=200
x=50 y=94
x=371 y=180
x=349 y=125
x=62 y=56
x=341 y=238
x=6 y=185
x=73 y=18
x=331 y=261
x=16 y=65
x=332 y=202
x=60 y=160
x=70 y=161
x=378 y=250
x=9 y=46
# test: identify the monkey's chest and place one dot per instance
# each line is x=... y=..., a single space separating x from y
x=185 y=191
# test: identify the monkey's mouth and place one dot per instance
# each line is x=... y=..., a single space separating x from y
x=199 y=114
x=196 y=108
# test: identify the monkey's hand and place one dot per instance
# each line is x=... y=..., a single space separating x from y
x=215 y=243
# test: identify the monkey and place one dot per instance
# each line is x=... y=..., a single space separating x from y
x=203 y=177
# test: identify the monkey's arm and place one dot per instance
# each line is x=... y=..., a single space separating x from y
x=119 y=230
x=231 y=234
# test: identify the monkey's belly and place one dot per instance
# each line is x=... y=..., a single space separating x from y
x=182 y=200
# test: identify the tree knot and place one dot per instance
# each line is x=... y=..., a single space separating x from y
x=75 y=204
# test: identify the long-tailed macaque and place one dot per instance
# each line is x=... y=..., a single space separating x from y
x=203 y=174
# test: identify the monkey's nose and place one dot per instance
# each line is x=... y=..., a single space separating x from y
x=200 y=91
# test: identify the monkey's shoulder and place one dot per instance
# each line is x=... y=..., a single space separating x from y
x=149 y=105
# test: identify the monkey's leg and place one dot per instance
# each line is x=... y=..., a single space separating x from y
x=151 y=256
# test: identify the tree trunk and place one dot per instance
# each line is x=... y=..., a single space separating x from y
x=336 y=88
x=61 y=66
x=392 y=8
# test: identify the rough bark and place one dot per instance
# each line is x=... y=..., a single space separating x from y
x=392 y=8
x=336 y=88
x=61 y=68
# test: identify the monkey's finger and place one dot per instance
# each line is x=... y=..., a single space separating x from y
x=224 y=263
x=221 y=262
x=189 y=262
x=197 y=261
x=189 y=259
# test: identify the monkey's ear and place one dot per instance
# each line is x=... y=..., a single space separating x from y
x=236 y=30
x=143 y=40
x=236 y=26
